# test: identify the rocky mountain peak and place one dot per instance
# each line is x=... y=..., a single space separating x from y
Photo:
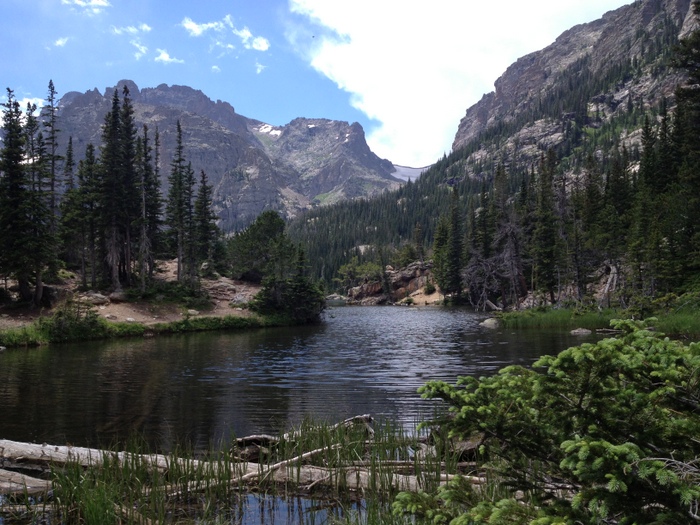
x=253 y=166
x=628 y=35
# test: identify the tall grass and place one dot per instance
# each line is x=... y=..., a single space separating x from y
x=559 y=319
x=212 y=487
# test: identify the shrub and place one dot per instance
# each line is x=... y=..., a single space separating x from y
x=603 y=433
x=73 y=321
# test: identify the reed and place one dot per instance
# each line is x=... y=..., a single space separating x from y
x=210 y=487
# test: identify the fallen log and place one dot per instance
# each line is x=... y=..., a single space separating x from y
x=16 y=483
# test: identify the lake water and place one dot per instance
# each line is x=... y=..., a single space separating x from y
x=200 y=389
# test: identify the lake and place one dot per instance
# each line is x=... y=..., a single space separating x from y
x=201 y=389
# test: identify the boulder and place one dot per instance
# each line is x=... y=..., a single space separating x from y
x=491 y=323
x=581 y=331
x=95 y=298
x=118 y=297
x=192 y=312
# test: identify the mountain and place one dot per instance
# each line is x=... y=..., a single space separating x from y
x=252 y=166
x=586 y=96
x=592 y=75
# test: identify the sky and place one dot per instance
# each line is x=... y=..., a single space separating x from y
x=405 y=70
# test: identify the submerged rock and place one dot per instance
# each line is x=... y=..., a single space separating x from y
x=581 y=331
x=491 y=323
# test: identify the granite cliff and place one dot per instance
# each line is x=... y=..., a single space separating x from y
x=592 y=74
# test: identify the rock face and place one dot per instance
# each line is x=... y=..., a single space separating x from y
x=401 y=283
x=252 y=166
x=629 y=35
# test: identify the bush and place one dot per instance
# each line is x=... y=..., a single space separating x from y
x=429 y=289
x=73 y=321
x=604 y=433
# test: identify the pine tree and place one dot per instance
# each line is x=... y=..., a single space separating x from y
x=27 y=244
x=180 y=212
x=50 y=114
x=111 y=192
x=544 y=239
x=440 y=244
x=687 y=201
x=454 y=252
x=15 y=222
x=154 y=206
x=89 y=201
x=130 y=204
x=206 y=231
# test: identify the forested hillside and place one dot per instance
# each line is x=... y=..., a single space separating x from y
x=563 y=177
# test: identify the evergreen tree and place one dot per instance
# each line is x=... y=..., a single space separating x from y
x=287 y=290
x=154 y=205
x=206 y=231
x=90 y=215
x=111 y=192
x=454 y=252
x=28 y=246
x=440 y=244
x=545 y=249
x=250 y=251
x=687 y=203
x=130 y=205
x=15 y=217
x=177 y=204
x=50 y=114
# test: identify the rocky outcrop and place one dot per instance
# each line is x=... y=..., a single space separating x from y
x=252 y=166
x=631 y=35
x=401 y=283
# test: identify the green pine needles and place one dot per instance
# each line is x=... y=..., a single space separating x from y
x=601 y=433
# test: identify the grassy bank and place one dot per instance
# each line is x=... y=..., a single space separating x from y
x=677 y=316
x=77 y=322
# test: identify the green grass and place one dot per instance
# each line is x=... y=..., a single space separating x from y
x=202 y=488
x=76 y=322
x=558 y=319
x=674 y=316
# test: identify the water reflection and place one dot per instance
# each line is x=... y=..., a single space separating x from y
x=202 y=388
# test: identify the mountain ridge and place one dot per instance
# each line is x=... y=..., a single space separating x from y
x=308 y=162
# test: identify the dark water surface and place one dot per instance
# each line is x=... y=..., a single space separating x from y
x=199 y=389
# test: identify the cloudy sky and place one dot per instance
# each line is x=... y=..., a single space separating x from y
x=406 y=70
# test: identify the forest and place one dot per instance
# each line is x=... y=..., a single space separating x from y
x=592 y=214
x=108 y=219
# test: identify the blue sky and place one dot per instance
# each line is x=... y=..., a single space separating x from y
x=406 y=70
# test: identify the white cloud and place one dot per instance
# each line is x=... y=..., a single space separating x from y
x=415 y=68
x=259 y=68
x=131 y=30
x=249 y=41
x=141 y=49
x=215 y=69
x=195 y=29
x=260 y=44
x=61 y=42
x=90 y=6
x=164 y=56
x=30 y=100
